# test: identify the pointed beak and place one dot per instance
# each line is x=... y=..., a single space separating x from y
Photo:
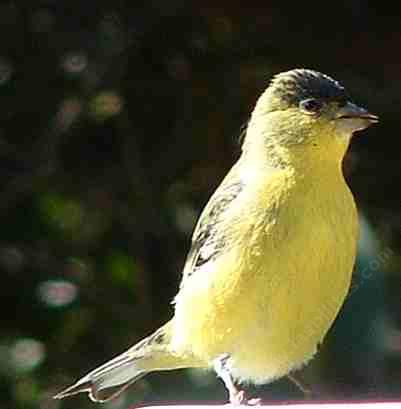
x=352 y=111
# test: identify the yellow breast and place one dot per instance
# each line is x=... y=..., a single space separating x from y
x=270 y=300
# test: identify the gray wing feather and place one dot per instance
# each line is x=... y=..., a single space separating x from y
x=209 y=240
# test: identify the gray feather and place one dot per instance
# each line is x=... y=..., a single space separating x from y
x=209 y=240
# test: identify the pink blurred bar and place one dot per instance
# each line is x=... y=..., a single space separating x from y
x=297 y=405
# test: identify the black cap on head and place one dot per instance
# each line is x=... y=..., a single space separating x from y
x=293 y=86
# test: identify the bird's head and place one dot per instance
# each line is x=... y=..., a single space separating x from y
x=305 y=110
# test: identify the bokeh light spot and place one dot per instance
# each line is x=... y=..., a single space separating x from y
x=106 y=104
x=62 y=213
x=74 y=62
x=68 y=112
x=57 y=293
x=121 y=266
x=26 y=354
x=185 y=218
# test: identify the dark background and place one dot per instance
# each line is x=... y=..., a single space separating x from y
x=118 y=120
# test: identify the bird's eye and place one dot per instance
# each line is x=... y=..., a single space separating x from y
x=311 y=106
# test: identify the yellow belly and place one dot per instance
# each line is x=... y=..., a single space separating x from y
x=271 y=305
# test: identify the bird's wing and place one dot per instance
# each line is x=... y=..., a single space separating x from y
x=209 y=239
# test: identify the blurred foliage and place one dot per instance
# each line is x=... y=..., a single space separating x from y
x=118 y=120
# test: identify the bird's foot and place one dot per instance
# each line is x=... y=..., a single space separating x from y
x=254 y=402
x=239 y=398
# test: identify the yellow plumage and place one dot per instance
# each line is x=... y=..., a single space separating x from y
x=272 y=254
x=272 y=297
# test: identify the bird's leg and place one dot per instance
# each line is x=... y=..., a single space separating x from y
x=220 y=366
x=236 y=396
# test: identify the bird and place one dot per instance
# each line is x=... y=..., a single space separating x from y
x=271 y=255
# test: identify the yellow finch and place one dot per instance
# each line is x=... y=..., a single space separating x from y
x=272 y=253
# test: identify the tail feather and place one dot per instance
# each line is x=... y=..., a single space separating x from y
x=107 y=381
x=110 y=379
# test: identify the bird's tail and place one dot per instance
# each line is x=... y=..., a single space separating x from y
x=110 y=379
